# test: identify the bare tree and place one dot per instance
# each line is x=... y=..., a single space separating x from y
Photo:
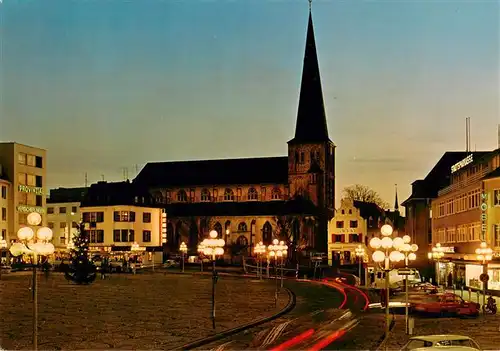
x=359 y=192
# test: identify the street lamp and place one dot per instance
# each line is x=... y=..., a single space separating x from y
x=360 y=253
x=201 y=249
x=275 y=250
x=3 y=246
x=183 y=249
x=259 y=250
x=437 y=254
x=213 y=247
x=409 y=255
x=484 y=254
x=389 y=253
x=33 y=245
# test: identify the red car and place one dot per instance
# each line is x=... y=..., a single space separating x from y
x=445 y=303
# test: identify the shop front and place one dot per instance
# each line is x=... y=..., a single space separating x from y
x=474 y=271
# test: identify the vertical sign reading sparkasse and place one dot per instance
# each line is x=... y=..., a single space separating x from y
x=484 y=208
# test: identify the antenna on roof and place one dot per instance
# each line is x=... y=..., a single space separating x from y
x=102 y=176
x=466 y=134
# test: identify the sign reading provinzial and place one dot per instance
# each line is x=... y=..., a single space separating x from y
x=484 y=217
x=31 y=189
x=462 y=163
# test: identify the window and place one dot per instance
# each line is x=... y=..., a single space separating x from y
x=38 y=181
x=496 y=197
x=338 y=238
x=252 y=194
x=276 y=194
x=21 y=178
x=62 y=210
x=124 y=216
x=242 y=227
x=182 y=196
x=146 y=236
x=4 y=214
x=228 y=195
x=302 y=157
x=96 y=236
x=350 y=211
x=4 y=233
x=50 y=210
x=313 y=178
x=30 y=160
x=62 y=225
x=51 y=225
x=22 y=218
x=116 y=235
x=39 y=162
x=146 y=217
x=340 y=224
x=124 y=235
x=353 y=224
x=4 y=192
x=39 y=200
x=30 y=180
x=21 y=158
x=355 y=238
x=73 y=209
x=90 y=217
x=205 y=195
x=343 y=211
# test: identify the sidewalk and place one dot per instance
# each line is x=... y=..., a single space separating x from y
x=474 y=296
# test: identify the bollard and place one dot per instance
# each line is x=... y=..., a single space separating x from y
x=411 y=325
x=477 y=294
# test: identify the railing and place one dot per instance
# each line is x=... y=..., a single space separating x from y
x=463 y=183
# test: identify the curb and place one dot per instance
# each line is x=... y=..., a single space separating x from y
x=292 y=300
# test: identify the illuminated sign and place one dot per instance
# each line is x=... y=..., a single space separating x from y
x=461 y=164
x=164 y=227
x=29 y=209
x=484 y=208
x=347 y=230
x=31 y=189
x=448 y=249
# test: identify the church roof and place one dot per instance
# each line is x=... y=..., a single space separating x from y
x=311 y=124
x=263 y=170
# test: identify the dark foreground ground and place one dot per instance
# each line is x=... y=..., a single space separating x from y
x=144 y=311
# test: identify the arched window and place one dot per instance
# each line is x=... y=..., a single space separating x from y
x=242 y=227
x=252 y=194
x=182 y=196
x=218 y=228
x=276 y=194
x=205 y=195
x=228 y=195
x=227 y=230
x=242 y=241
x=267 y=233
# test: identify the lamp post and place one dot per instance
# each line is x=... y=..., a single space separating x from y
x=3 y=246
x=35 y=246
x=360 y=253
x=213 y=247
x=259 y=250
x=484 y=254
x=183 y=249
x=284 y=251
x=409 y=255
x=437 y=254
x=389 y=253
x=275 y=251
x=201 y=249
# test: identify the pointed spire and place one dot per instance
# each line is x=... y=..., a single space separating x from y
x=396 y=204
x=311 y=119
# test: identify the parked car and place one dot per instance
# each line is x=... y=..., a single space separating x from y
x=171 y=263
x=441 y=342
x=445 y=303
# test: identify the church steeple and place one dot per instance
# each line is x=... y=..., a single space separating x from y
x=311 y=124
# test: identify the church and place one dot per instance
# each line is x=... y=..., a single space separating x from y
x=249 y=200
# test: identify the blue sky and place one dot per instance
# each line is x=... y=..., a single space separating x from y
x=108 y=84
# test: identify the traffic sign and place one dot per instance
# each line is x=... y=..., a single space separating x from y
x=484 y=277
x=405 y=271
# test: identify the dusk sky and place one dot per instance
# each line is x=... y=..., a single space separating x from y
x=104 y=85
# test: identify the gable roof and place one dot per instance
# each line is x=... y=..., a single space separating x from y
x=369 y=209
x=263 y=170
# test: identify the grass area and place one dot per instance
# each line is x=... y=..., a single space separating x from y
x=144 y=311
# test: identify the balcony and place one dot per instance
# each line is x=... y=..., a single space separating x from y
x=464 y=183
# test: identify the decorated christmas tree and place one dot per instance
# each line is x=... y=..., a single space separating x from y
x=81 y=269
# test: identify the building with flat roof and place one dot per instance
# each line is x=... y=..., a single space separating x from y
x=26 y=169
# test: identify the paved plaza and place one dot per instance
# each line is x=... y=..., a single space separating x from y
x=144 y=311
